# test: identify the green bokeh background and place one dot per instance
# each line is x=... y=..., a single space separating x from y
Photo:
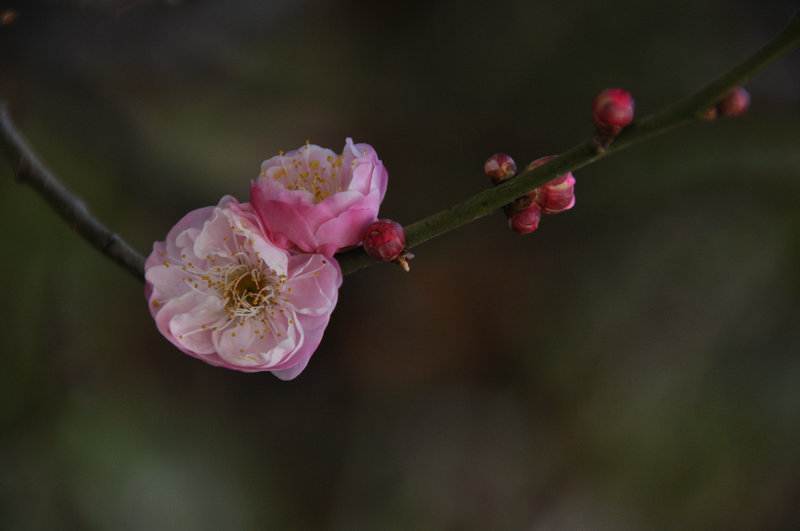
x=633 y=364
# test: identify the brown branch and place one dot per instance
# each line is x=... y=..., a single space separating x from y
x=28 y=169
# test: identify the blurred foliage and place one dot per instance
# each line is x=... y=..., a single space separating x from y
x=632 y=364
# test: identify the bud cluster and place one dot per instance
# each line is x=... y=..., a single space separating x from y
x=525 y=212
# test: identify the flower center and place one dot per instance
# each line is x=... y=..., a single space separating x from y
x=248 y=290
x=307 y=170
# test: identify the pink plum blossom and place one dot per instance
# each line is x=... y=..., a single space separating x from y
x=222 y=292
x=317 y=201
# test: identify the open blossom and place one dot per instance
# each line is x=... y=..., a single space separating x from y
x=222 y=292
x=317 y=201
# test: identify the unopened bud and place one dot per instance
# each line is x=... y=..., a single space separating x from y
x=500 y=167
x=526 y=220
x=386 y=240
x=735 y=103
x=612 y=110
x=556 y=196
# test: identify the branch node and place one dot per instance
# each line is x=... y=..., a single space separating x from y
x=110 y=240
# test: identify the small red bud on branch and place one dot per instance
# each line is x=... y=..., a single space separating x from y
x=385 y=240
x=612 y=110
x=735 y=103
x=500 y=167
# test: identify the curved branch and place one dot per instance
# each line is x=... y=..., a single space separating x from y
x=586 y=152
x=29 y=170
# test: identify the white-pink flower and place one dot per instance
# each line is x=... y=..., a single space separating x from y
x=317 y=201
x=222 y=292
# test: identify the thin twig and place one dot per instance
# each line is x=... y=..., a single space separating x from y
x=586 y=153
x=29 y=170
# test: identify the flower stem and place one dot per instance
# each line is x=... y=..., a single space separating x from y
x=31 y=171
x=586 y=152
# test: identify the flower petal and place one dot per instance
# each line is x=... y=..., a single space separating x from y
x=188 y=321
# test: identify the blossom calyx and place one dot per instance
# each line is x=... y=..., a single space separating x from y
x=500 y=167
x=612 y=109
x=316 y=201
x=385 y=240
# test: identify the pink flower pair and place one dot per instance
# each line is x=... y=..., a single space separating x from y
x=252 y=287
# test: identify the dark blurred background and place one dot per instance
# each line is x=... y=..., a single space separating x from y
x=632 y=364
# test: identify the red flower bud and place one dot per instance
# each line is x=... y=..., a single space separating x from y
x=526 y=220
x=612 y=110
x=385 y=240
x=556 y=196
x=500 y=167
x=735 y=103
